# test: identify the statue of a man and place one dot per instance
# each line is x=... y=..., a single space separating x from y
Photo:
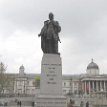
x=49 y=35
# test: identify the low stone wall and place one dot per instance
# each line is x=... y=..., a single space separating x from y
x=23 y=103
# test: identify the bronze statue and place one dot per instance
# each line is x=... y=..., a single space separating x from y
x=49 y=35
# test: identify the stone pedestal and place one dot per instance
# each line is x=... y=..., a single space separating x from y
x=51 y=82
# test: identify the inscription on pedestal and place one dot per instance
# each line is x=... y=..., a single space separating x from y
x=51 y=74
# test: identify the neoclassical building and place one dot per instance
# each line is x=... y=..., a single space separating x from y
x=25 y=83
x=83 y=84
x=93 y=81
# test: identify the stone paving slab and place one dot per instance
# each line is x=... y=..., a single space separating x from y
x=15 y=106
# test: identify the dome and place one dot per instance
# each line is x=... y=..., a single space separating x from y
x=22 y=67
x=21 y=70
x=92 y=65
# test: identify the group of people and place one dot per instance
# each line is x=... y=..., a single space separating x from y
x=19 y=103
x=82 y=104
x=72 y=104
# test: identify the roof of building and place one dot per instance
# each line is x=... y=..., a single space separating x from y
x=64 y=76
x=92 y=65
x=70 y=77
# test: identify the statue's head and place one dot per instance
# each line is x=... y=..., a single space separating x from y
x=51 y=16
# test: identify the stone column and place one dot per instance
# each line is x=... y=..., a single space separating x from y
x=93 y=85
x=104 y=86
x=85 y=87
x=100 y=85
x=97 y=86
x=89 y=87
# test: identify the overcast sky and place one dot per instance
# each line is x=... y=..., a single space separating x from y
x=83 y=35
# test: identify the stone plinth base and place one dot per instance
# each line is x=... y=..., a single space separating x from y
x=51 y=101
x=51 y=75
x=51 y=82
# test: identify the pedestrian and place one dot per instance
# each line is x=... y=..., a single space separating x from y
x=33 y=103
x=20 y=103
x=5 y=104
x=18 y=94
x=82 y=104
x=87 y=104
x=17 y=103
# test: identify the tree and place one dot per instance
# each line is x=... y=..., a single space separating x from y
x=5 y=79
x=37 y=82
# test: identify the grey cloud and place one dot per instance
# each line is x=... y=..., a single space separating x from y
x=74 y=16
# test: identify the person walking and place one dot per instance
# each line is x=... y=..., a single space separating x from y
x=20 y=103
x=33 y=104
x=87 y=104
x=82 y=104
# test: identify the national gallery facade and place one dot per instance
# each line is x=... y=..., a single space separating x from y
x=83 y=84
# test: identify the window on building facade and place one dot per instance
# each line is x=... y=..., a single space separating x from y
x=75 y=83
x=33 y=90
x=75 y=91
x=70 y=91
x=20 y=91
x=64 y=84
x=64 y=91
x=27 y=82
x=70 y=84
x=19 y=83
x=28 y=91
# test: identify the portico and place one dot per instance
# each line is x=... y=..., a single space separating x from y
x=94 y=84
